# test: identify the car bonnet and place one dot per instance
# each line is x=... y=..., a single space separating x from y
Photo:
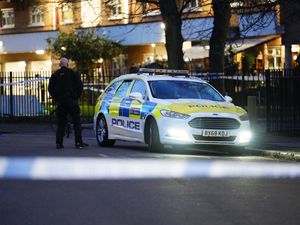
x=202 y=106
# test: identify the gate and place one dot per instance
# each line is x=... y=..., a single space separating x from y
x=283 y=104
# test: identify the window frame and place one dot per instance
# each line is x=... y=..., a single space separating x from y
x=7 y=10
x=127 y=81
x=117 y=5
x=275 y=57
x=147 y=10
x=190 y=8
x=37 y=10
x=112 y=88
x=145 y=95
x=236 y=4
x=69 y=6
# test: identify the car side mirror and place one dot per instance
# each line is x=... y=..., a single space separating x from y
x=136 y=96
x=228 y=98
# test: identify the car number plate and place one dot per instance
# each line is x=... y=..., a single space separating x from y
x=216 y=133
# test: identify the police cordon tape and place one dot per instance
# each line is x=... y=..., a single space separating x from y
x=23 y=82
x=43 y=168
x=86 y=86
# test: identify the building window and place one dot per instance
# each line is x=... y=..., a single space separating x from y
x=150 y=9
x=67 y=13
x=115 y=9
x=8 y=20
x=274 y=58
x=193 y=5
x=236 y=4
x=37 y=16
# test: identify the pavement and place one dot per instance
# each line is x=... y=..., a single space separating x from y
x=268 y=144
x=277 y=145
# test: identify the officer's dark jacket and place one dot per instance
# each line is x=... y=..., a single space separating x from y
x=65 y=84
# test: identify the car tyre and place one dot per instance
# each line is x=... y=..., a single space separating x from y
x=102 y=133
x=154 y=144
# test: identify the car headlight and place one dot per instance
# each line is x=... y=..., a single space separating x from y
x=244 y=117
x=244 y=136
x=172 y=114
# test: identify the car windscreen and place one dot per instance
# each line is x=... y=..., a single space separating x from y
x=179 y=89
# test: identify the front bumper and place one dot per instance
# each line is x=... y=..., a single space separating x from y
x=178 y=131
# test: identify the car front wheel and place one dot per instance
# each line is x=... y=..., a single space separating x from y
x=102 y=133
x=154 y=144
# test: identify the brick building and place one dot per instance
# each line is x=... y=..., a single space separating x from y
x=24 y=30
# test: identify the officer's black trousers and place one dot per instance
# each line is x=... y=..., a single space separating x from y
x=65 y=108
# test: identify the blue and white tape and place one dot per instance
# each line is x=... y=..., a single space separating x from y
x=23 y=82
x=43 y=168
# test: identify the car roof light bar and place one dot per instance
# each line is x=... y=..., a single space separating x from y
x=164 y=71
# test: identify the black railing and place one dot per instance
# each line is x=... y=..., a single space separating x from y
x=24 y=95
x=283 y=104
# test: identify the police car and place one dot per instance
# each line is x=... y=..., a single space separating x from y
x=170 y=109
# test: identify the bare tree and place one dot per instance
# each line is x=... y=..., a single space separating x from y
x=223 y=10
x=172 y=13
x=171 y=16
x=172 y=20
x=218 y=38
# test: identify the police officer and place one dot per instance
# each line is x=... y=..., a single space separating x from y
x=65 y=87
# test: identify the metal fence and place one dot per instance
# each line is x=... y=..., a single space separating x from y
x=24 y=95
x=283 y=104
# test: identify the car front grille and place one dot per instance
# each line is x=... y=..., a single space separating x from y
x=217 y=123
x=204 y=138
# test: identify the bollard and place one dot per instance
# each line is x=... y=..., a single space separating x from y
x=251 y=106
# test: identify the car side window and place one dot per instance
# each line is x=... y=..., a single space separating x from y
x=112 y=88
x=140 y=87
x=122 y=90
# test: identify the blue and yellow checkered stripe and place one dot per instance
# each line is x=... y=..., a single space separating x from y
x=126 y=107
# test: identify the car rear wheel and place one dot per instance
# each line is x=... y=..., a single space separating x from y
x=102 y=133
x=154 y=144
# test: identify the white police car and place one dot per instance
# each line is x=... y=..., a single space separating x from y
x=168 y=110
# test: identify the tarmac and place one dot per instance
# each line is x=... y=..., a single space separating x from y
x=274 y=145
